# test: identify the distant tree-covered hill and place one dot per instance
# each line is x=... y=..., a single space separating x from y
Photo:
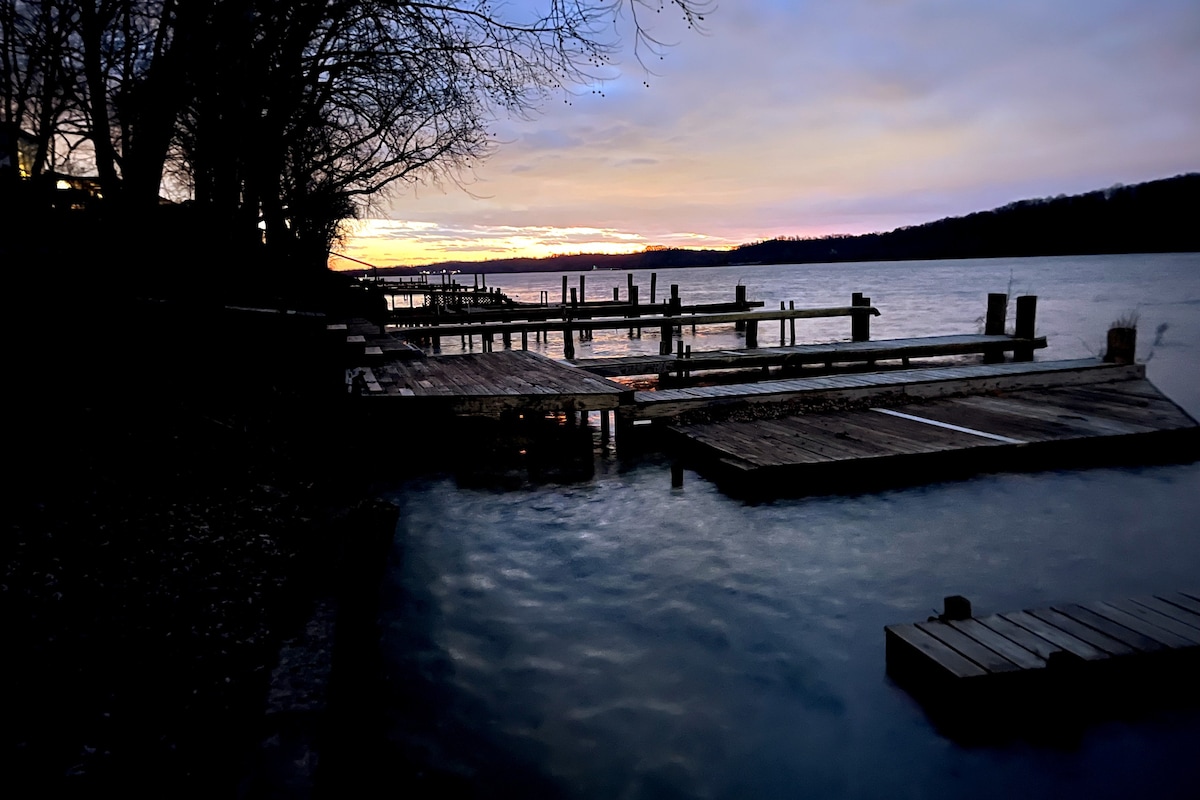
x=1158 y=216
x=1153 y=217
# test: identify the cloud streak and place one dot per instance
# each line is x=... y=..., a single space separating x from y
x=816 y=118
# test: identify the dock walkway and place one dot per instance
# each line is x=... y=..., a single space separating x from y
x=826 y=354
x=487 y=384
x=891 y=428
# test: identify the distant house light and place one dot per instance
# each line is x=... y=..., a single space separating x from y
x=63 y=184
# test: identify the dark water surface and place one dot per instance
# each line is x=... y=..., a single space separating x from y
x=622 y=639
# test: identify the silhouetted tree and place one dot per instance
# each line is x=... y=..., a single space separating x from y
x=279 y=119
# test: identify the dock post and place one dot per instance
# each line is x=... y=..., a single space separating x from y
x=956 y=607
x=568 y=341
x=752 y=333
x=860 y=323
x=506 y=337
x=676 y=475
x=524 y=339
x=739 y=297
x=582 y=284
x=616 y=295
x=994 y=322
x=1122 y=345
x=1026 y=315
x=792 y=307
x=676 y=305
x=564 y=302
x=653 y=283
x=782 y=327
x=633 y=299
x=605 y=431
x=664 y=332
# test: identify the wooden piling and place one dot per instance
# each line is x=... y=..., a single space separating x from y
x=860 y=324
x=664 y=344
x=994 y=323
x=792 y=307
x=751 y=333
x=782 y=327
x=739 y=297
x=568 y=342
x=653 y=283
x=564 y=288
x=1122 y=345
x=1026 y=315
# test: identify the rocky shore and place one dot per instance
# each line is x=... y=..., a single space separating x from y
x=181 y=510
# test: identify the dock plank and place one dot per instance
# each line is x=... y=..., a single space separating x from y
x=947 y=658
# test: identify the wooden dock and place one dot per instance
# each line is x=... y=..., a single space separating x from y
x=799 y=355
x=889 y=428
x=486 y=384
x=803 y=418
x=1080 y=659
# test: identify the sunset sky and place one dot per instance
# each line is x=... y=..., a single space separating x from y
x=793 y=118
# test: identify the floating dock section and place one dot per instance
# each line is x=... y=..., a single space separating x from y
x=868 y=430
x=1065 y=663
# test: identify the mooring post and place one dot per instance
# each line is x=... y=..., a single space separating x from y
x=653 y=283
x=679 y=359
x=564 y=296
x=956 y=608
x=664 y=332
x=616 y=295
x=739 y=298
x=524 y=339
x=676 y=305
x=582 y=284
x=1122 y=345
x=782 y=326
x=860 y=322
x=751 y=333
x=605 y=431
x=676 y=475
x=568 y=340
x=792 y=307
x=633 y=299
x=994 y=322
x=1026 y=315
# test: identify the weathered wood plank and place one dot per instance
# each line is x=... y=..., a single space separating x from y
x=1135 y=622
x=1169 y=610
x=1112 y=628
x=1095 y=638
x=1055 y=636
x=1014 y=652
x=982 y=655
x=945 y=657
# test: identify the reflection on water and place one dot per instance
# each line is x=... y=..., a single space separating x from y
x=618 y=638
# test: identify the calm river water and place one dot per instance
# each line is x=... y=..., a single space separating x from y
x=622 y=639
